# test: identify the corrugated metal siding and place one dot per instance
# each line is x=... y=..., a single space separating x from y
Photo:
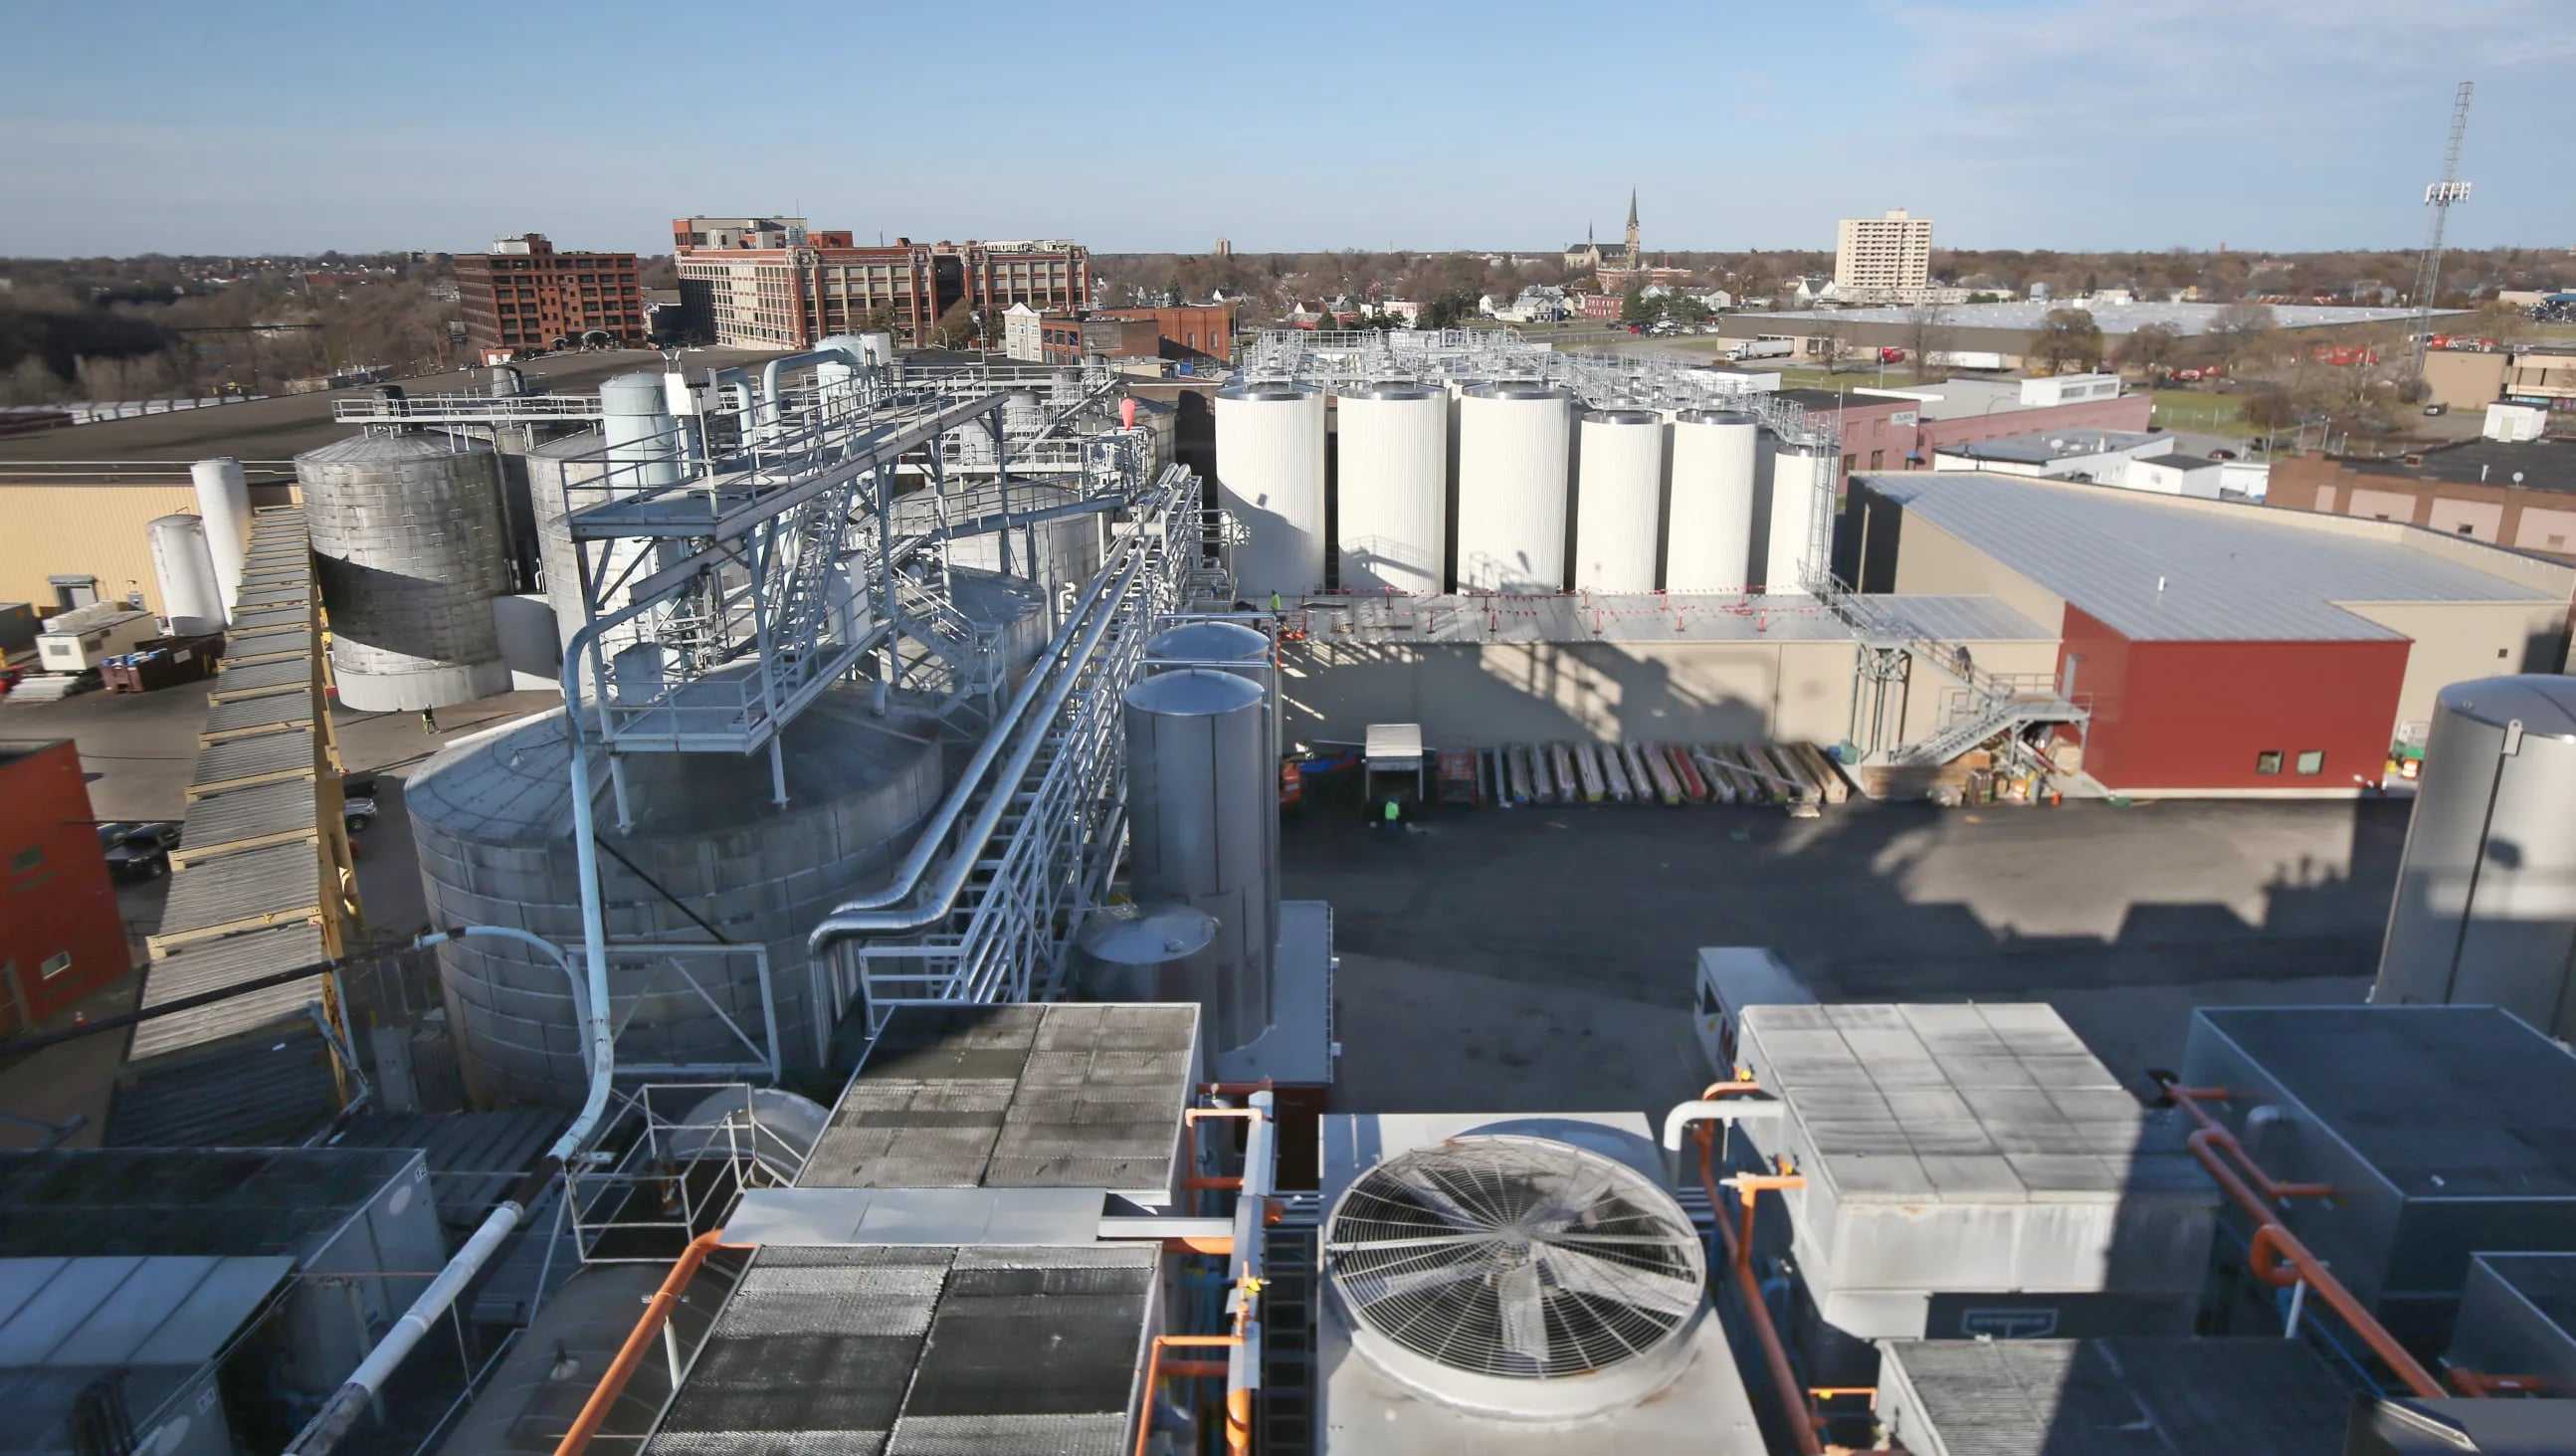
x=259 y=1094
x=63 y=530
x=2157 y=570
x=264 y=675
x=284 y=879
x=473 y=1157
x=251 y=758
x=243 y=714
x=215 y=964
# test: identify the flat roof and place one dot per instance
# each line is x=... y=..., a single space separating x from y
x=1840 y=399
x=1683 y=617
x=2442 y=1101
x=1014 y=1096
x=2183 y=462
x=2043 y=446
x=2541 y=464
x=2185 y=319
x=2156 y=569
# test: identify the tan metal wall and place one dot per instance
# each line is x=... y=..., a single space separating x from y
x=92 y=530
x=2463 y=641
x=1930 y=560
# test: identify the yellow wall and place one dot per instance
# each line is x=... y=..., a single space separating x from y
x=94 y=530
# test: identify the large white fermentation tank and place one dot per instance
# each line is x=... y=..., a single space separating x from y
x=1515 y=445
x=1799 y=476
x=1394 y=488
x=1709 y=546
x=1619 y=488
x=1270 y=475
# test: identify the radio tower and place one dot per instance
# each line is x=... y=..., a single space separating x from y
x=2439 y=196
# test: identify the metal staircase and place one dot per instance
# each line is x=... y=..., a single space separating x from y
x=1989 y=704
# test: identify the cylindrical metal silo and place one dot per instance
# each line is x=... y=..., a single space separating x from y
x=491 y=819
x=1709 y=545
x=223 y=500
x=1799 y=476
x=1200 y=812
x=1514 y=450
x=1012 y=612
x=1204 y=643
x=2486 y=894
x=185 y=569
x=571 y=461
x=1619 y=488
x=1142 y=953
x=1022 y=413
x=643 y=441
x=410 y=551
x=1394 y=488
x=1270 y=476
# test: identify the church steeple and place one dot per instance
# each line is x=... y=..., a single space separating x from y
x=1636 y=259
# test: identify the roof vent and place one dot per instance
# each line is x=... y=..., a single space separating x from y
x=2412 y=459
x=1517 y=1276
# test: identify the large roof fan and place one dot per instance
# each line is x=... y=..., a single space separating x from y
x=1517 y=1275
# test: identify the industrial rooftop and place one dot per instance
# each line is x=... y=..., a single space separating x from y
x=2530 y=464
x=1665 y=617
x=2185 y=319
x=2157 y=569
x=2042 y=446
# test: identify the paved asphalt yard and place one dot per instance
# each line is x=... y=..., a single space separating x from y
x=1541 y=959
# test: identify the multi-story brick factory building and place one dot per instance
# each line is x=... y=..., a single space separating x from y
x=525 y=296
x=774 y=283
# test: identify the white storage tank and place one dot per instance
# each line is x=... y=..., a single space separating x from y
x=2485 y=910
x=1619 y=487
x=223 y=499
x=1394 y=488
x=1709 y=547
x=190 y=598
x=1799 y=476
x=1515 y=444
x=1270 y=477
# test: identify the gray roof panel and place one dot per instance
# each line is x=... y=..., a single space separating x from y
x=250 y=758
x=258 y=812
x=282 y=879
x=293 y=672
x=214 y=965
x=2153 y=569
x=278 y=710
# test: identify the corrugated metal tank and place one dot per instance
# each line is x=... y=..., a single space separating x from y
x=1068 y=548
x=1619 y=488
x=223 y=500
x=491 y=823
x=410 y=548
x=1394 y=482
x=1709 y=546
x=1796 y=477
x=190 y=596
x=1270 y=476
x=2486 y=894
x=1201 y=810
x=1514 y=452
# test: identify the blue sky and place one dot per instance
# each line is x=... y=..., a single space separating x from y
x=135 y=125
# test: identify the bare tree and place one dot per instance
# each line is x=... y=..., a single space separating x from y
x=2243 y=332
x=1927 y=333
x=2149 y=349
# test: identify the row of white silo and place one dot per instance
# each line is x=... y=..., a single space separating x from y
x=1473 y=484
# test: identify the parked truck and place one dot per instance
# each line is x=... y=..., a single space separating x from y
x=1966 y=358
x=1743 y=349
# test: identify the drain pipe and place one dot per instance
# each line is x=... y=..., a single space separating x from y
x=340 y=1414
x=860 y=917
x=1727 y=1102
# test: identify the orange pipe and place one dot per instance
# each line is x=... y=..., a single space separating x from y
x=1739 y=1259
x=1200 y=1244
x=1197 y=1183
x=2473 y=1382
x=1193 y=1116
x=2189 y=1100
x=1156 y=1370
x=1193 y=1370
x=2273 y=1238
x=639 y=1341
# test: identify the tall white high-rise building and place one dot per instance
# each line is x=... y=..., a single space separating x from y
x=1883 y=256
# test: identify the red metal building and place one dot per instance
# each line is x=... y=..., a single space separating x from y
x=60 y=935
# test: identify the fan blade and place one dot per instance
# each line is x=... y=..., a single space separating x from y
x=1524 y=1311
x=1398 y=1280
x=1580 y=1272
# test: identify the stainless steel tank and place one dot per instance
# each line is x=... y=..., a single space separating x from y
x=1067 y=549
x=491 y=824
x=191 y=599
x=573 y=461
x=1142 y=952
x=1270 y=477
x=410 y=549
x=223 y=499
x=1201 y=815
x=2486 y=895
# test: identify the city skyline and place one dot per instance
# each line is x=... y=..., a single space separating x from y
x=2075 y=126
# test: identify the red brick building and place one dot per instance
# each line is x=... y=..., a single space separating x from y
x=1191 y=333
x=60 y=935
x=2510 y=493
x=525 y=296
x=1891 y=432
x=775 y=287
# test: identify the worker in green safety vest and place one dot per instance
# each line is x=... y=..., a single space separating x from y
x=1275 y=607
x=1392 y=816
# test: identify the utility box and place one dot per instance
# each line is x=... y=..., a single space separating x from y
x=2518 y=1319
x=2445 y=1131
x=1971 y=1172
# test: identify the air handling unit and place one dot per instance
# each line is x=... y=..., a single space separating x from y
x=1514 y=1284
x=2417 y=1136
x=1969 y=1171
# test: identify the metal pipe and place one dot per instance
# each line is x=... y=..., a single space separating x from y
x=845 y=922
x=639 y=1341
x=2189 y=1100
x=1739 y=1261
x=1717 y=1104
x=339 y=1415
